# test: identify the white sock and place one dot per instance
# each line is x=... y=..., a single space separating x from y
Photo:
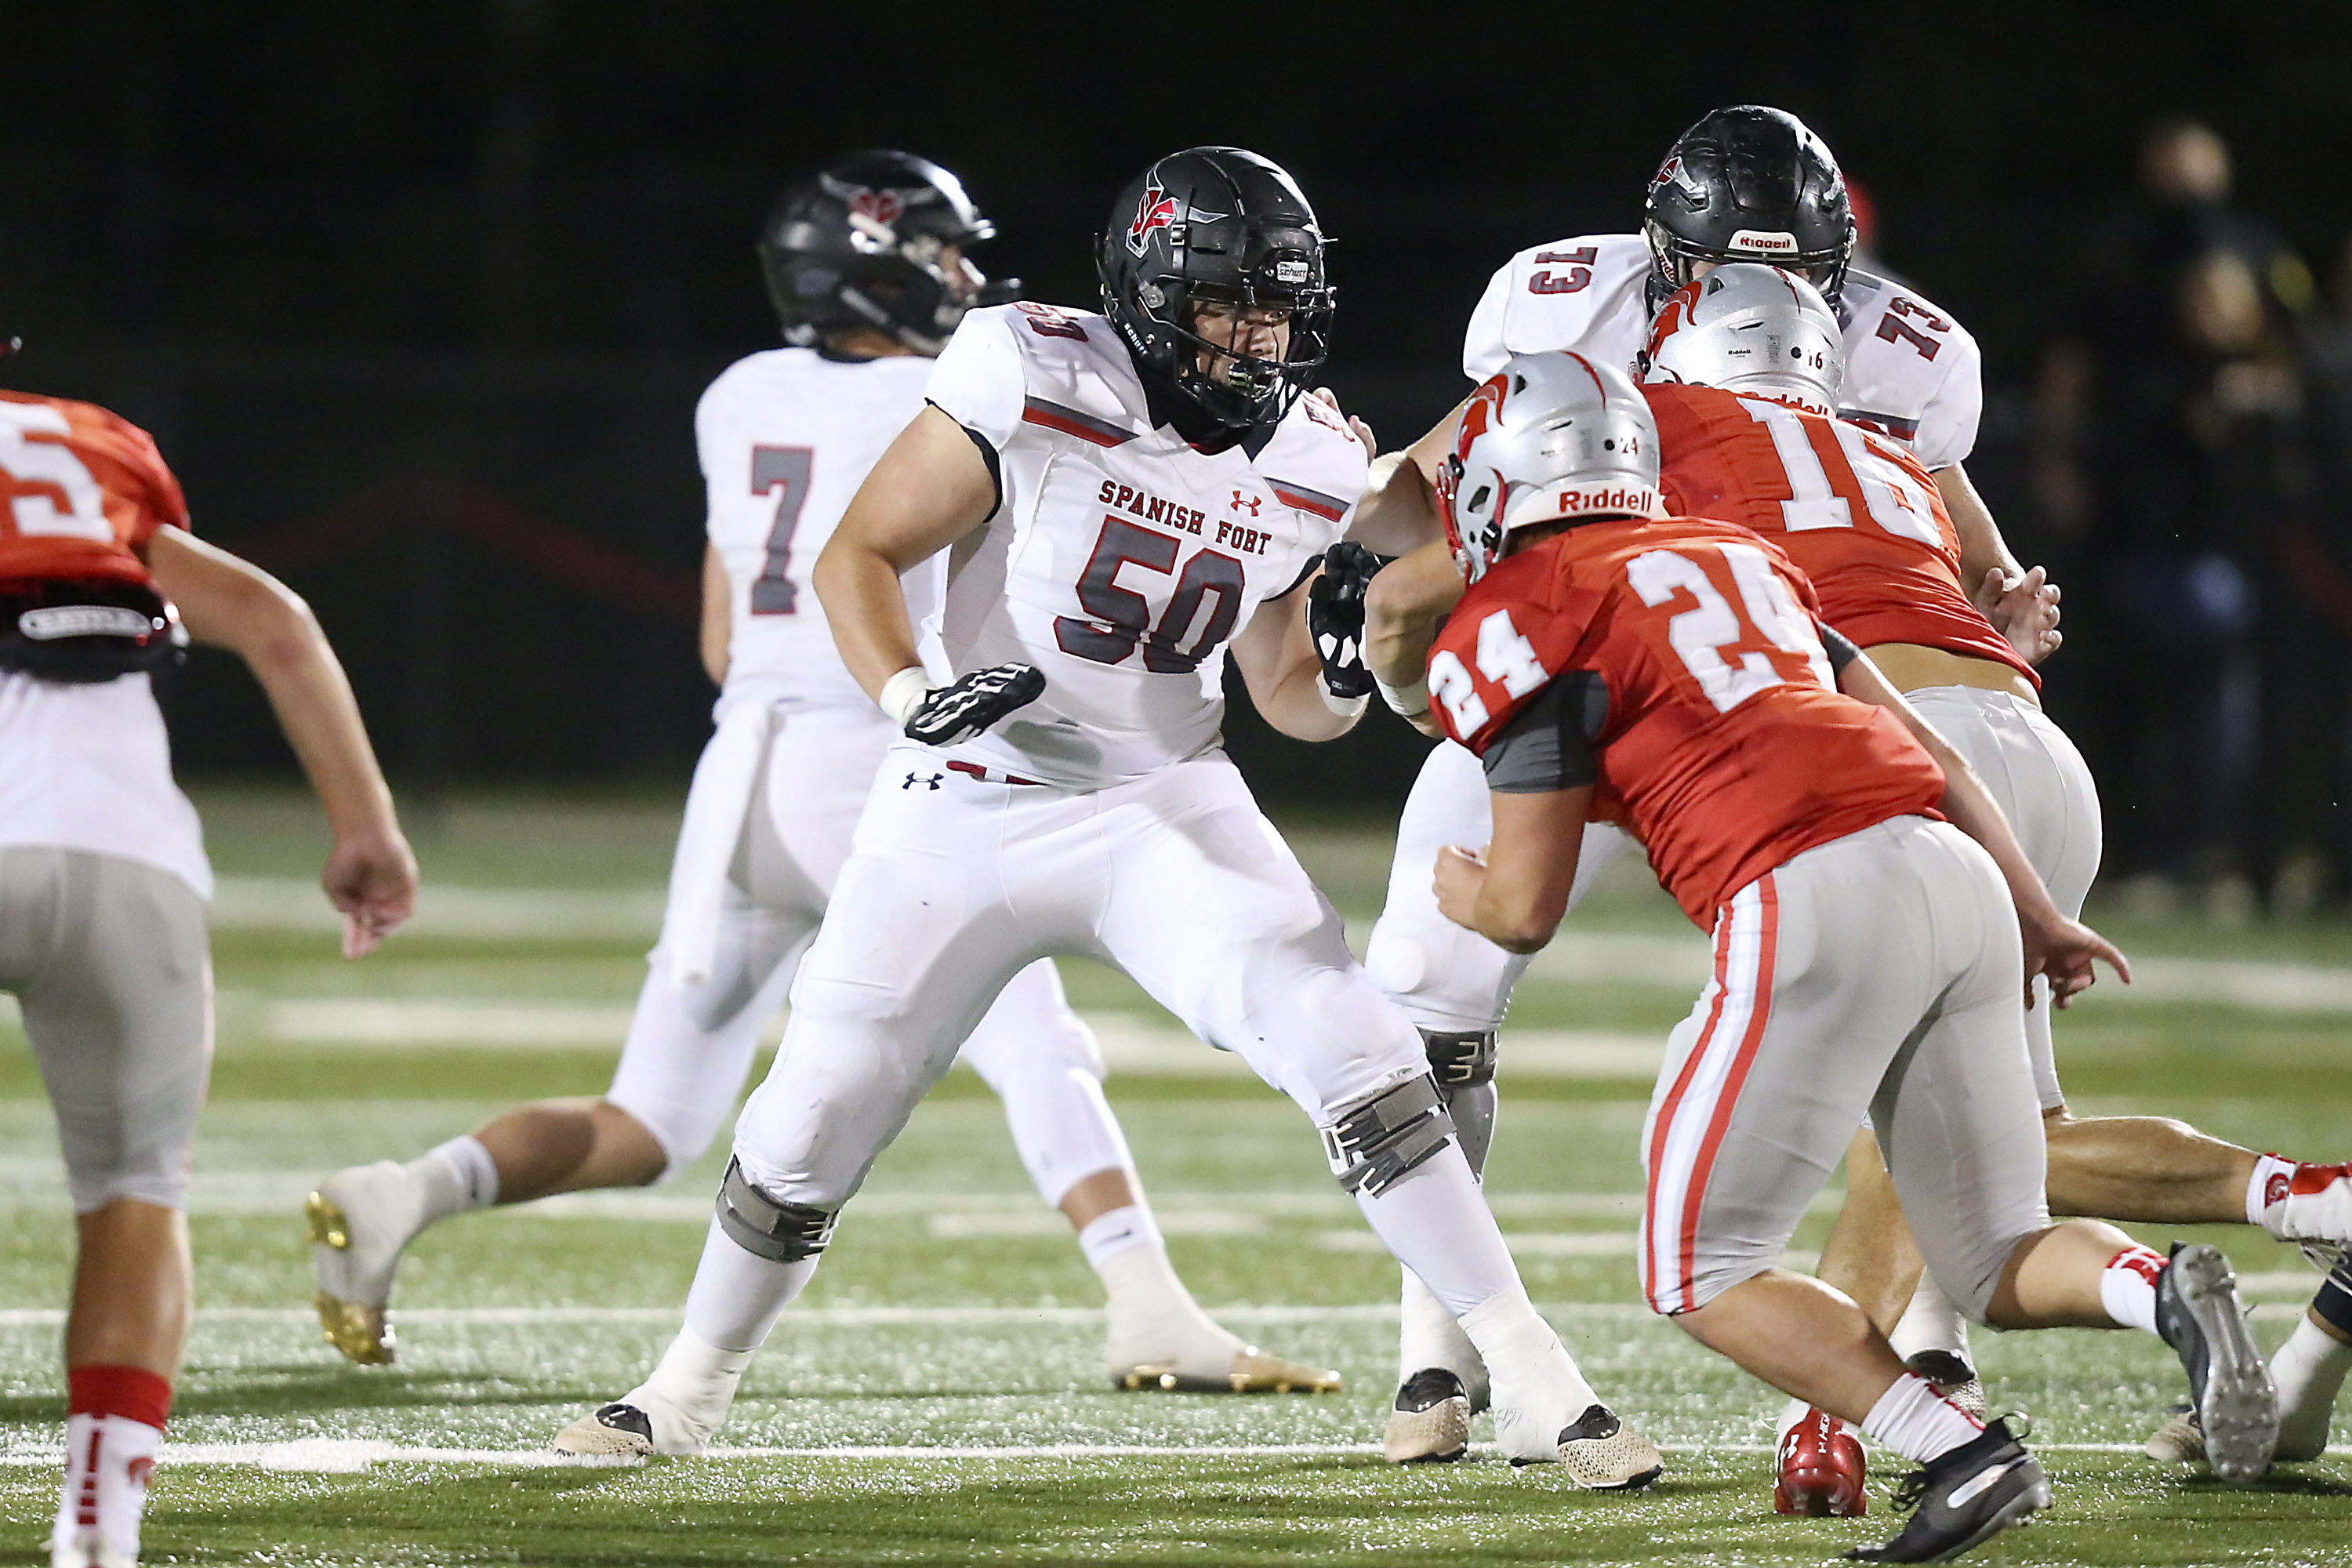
x=2309 y=1370
x=737 y=1295
x=1524 y=1355
x=1912 y=1419
x=2268 y=1186
x=458 y=1176
x=1153 y=1319
x=1436 y=1222
x=1429 y=1336
x=1795 y=1411
x=689 y=1392
x=1116 y=1230
x=107 y=1461
x=2127 y=1287
x=1930 y=1323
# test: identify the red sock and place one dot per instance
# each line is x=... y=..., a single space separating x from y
x=114 y=1429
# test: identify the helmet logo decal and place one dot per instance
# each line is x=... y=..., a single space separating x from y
x=1672 y=171
x=1156 y=210
x=1765 y=241
x=881 y=207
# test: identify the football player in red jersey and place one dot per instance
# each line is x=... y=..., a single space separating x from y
x=1610 y=662
x=1744 y=366
x=103 y=882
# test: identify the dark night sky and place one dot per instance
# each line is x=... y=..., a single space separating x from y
x=322 y=247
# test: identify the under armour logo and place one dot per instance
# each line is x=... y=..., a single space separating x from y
x=1248 y=502
x=914 y=779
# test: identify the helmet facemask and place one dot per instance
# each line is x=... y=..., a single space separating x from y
x=1211 y=362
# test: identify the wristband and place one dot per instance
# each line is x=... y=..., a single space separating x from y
x=1346 y=706
x=903 y=693
x=1411 y=701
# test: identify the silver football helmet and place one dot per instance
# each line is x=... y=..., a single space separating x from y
x=1549 y=436
x=1748 y=327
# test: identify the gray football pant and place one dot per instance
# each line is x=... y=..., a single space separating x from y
x=109 y=961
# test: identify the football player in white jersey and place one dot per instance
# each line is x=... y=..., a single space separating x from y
x=1124 y=498
x=866 y=266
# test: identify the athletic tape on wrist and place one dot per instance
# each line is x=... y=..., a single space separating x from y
x=903 y=693
x=1411 y=701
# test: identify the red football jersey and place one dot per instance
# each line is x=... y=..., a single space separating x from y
x=81 y=491
x=1854 y=511
x=1726 y=747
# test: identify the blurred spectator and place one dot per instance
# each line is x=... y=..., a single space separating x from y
x=2173 y=443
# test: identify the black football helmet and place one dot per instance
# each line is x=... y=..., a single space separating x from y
x=1749 y=183
x=1217 y=224
x=861 y=246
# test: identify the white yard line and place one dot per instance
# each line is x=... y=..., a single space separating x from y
x=340 y=1456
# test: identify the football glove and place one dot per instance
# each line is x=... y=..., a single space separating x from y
x=1335 y=617
x=970 y=703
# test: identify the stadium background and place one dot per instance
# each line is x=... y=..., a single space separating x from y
x=418 y=298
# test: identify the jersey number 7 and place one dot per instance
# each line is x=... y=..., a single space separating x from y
x=773 y=592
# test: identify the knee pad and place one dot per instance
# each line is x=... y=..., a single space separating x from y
x=1377 y=1140
x=781 y=1233
x=1461 y=1060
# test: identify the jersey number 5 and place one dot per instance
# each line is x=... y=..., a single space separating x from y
x=1701 y=634
x=48 y=463
x=773 y=591
x=1122 y=618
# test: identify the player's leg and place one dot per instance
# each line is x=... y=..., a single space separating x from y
x=1454 y=985
x=1044 y=1064
x=918 y=940
x=1211 y=914
x=1960 y=1133
x=688 y=1049
x=109 y=962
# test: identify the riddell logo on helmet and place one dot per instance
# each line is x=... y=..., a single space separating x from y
x=1156 y=210
x=1634 y=500
x=1765 y=241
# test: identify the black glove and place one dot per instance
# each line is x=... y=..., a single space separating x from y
x=970 y=703
x=1335 y=616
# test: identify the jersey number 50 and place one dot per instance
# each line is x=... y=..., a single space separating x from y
x=1121 y=618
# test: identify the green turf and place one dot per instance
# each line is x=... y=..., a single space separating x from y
x=1002 y=1350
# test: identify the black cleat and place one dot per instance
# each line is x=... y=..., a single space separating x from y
x=1963 y=1499
x=2236 y=1405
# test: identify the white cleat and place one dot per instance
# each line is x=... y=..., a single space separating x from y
x=1247 y=1370
x=1430 y=1422
x=2199 y=1315
x=359 y=1218
x=89 y=1547
x=1602 y=1454
x=2179 y=1441
x=639 y=1426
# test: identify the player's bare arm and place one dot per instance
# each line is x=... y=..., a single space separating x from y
x=930 y=488
x=370 y=875
x=1516 y=893
x=2022 y=605
x=717 y=623
x=1407 y=603
x=1275 y=654
x=1399 y=511
x=2059 y=948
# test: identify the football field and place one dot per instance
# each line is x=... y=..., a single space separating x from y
x=938 y=1396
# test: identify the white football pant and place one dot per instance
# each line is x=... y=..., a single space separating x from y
x=690 y=1047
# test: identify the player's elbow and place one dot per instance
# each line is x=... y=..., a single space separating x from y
x=1530 y=932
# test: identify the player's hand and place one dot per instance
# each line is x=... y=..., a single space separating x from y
x=1335 y=617
x=2063 y=950
x=370 y=877
x=970 y=703
x=1330 y=399
x=2024 y=610
x=1461 y=877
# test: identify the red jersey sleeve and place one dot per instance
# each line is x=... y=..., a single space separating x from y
x=1517 y=630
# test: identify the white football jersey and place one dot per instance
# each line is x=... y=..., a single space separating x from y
x=1122 y=559
x=1911 y=371
x=786 y=438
